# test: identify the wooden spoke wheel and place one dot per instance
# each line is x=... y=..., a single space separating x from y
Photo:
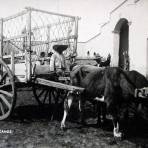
x=43 y=94
x=7 y=91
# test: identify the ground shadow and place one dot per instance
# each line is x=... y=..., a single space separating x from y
x=136 y=130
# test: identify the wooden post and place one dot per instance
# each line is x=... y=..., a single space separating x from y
x=48 y=38
x=1 y=42
x=28 y=48
x=1 y=38
x=12 y=62
x=147 y=58
x=52 y=13
x=76 y=35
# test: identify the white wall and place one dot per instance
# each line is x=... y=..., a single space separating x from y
x=136 y=14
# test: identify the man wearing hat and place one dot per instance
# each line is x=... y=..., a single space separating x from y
x=57 y=61
x=98 y=58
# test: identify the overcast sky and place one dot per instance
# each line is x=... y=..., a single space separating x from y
x=92 y=12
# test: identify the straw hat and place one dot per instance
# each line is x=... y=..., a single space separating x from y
x=97 y=56
x=60 y=48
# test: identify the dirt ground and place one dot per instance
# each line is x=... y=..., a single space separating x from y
x=30 y=127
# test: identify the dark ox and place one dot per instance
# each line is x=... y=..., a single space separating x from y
x=112 y=83
x=139 y=81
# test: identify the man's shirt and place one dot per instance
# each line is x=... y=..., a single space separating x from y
x=57 y=61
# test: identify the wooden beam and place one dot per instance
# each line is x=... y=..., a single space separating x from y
x=47 y=12
x=58 y=85
x=16 y=55
x=12 y=62
x=1 y=38
x=15 y=37
x=15 y=15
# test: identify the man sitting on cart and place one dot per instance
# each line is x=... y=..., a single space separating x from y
x=57 y=61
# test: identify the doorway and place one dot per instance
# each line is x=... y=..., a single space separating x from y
x=122 y=28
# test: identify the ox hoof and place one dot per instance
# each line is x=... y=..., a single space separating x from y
x=118 y=136
x=63 y=127
x=51 y=119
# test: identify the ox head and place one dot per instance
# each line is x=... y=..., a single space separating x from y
x=89 y=77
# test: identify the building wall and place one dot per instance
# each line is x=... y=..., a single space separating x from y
x=135 y=12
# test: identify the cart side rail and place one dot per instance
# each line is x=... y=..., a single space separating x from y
x=34 y=31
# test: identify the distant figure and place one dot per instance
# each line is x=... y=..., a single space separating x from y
x=101 y=62
x=57 y=61
x=98 y=59
x=88 y=54
x=107 y=62
x=126 y=60
x=42 y=56
x=50 y=54
x=94 y=54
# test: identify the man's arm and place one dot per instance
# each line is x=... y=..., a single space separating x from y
x=52 y=63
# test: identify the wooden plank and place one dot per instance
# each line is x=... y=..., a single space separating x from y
x=47 y=12
x=63 y=38
x=12 y=62
x=58 y=85
x=16 y=55
x=85 y=58
x=15 y=15
x=50 y=25
x=1 y=38
x=15 y=37
x=64 y=78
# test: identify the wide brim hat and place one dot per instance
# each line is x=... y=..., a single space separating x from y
x=97 y=56
x=60 y=48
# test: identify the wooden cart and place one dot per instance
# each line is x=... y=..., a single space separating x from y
x=23 y=39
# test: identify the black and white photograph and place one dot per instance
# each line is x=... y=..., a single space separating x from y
x=73 y=73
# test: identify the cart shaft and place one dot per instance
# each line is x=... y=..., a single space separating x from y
x=58 y=85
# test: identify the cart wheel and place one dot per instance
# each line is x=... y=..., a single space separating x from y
x=7 y=91
x=43 y=94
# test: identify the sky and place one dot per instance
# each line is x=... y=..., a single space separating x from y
x=92 y=12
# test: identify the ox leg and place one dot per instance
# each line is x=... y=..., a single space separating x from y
x=67 y=105
x=99 y=113
x=116 y=132
x=82 y=110
x=103 y=112
x=113 y=110
x=101 y=109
